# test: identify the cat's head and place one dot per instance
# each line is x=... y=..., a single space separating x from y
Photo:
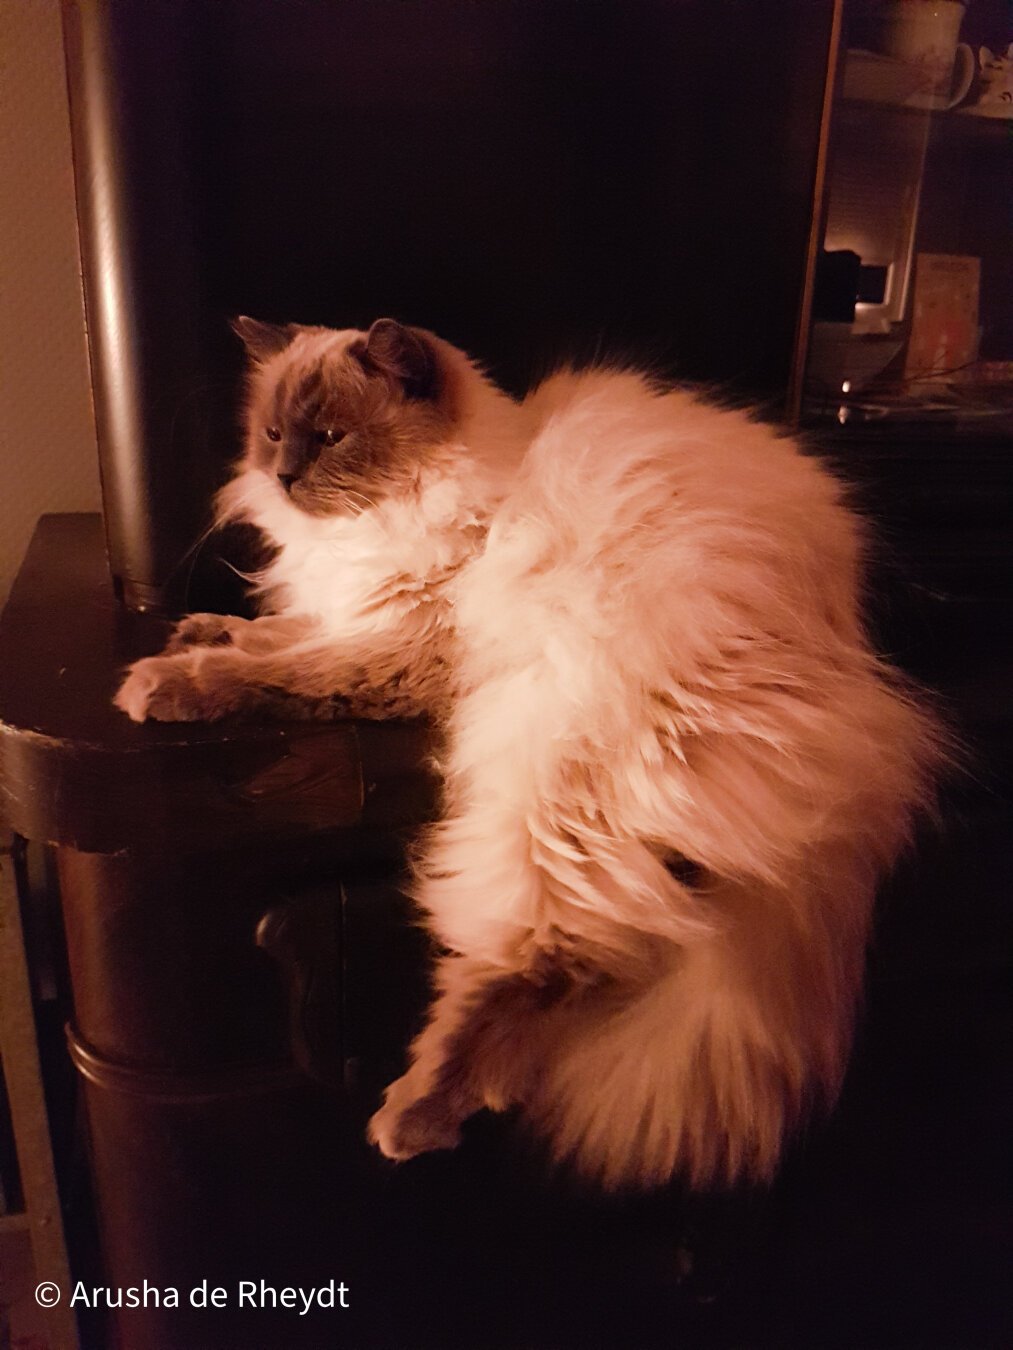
x=339 y=418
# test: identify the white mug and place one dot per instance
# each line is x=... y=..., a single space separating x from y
x=923 y=33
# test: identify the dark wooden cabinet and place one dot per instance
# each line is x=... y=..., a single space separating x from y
x=228 y=1034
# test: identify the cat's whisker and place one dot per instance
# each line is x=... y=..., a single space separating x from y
x=254 y=578
x=195 y=547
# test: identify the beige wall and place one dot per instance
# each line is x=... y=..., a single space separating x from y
x=48 y=460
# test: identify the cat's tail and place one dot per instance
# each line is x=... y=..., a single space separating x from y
x=683 y=914
x=703 y=1072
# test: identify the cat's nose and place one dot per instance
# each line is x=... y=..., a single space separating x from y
x=287 y=479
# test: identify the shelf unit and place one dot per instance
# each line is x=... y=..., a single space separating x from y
x=40 y=1220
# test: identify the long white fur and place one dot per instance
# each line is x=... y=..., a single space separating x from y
x=659 y=653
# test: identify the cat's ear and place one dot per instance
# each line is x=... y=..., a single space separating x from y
x=262 y=340
x=403 y=354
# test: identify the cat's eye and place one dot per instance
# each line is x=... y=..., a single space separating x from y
x=273 y=434
x=328 y=436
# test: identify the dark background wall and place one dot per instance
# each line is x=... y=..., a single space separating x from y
x=523 y=177
x=532 y=180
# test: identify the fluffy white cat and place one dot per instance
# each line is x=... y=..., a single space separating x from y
x=675 y=770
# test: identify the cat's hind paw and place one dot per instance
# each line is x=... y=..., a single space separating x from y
x=404 y=1129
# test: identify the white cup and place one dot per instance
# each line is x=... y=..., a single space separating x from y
x=923 y=33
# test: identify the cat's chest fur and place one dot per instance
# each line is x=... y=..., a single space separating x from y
x=369 y=570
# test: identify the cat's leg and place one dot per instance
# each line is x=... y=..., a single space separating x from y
x=307 y=678
x=490 y=1035
x=269 y=632
x=424 y=1108
x=485 y=1036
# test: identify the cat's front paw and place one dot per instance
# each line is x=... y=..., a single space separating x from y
x=202 y=630
x=407 y=1125
x=163 y=688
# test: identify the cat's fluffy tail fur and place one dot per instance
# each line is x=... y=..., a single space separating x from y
x=676 y=773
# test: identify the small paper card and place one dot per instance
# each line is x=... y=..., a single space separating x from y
x=944 y=326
